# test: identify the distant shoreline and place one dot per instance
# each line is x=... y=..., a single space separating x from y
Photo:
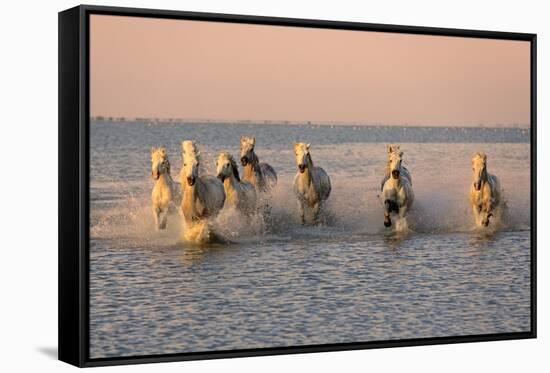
x=161 y=121
x=290 y=123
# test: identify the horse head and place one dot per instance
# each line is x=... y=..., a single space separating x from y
x=191 y=162
x=159 y=162
x=303 y=158
x=395 y=163
x=225 y=166
x=247 y=149
x=479 y=168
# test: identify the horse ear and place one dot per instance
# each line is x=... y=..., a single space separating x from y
x=152 y=150
x=393 y=148
x=400 y=153
x=253 y=141
x=307 y=146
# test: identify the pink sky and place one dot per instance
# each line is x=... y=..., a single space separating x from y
x=145 y=67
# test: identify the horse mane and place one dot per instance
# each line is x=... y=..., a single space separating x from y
x=160 y=150
x=254 y=158
x=481 y=155
x=190 y=149
x=308 y=156
x=234 y=167
x=255 y=161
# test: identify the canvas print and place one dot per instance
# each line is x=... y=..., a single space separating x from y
x=257 y=186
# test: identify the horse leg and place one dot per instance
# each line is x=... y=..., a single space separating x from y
x=403 y=212
x=302 y=212
x=316 y=209
x=402 y=223
x=156 y=213
x=387 y=220
x=476 y=213
x=389 y=206
x=488 y=214
x=163 y=216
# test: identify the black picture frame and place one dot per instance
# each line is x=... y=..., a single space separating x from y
x=74 y=118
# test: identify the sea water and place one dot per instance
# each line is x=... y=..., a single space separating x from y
x=348 y=280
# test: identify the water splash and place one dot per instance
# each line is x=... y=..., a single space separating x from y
x=441 y=180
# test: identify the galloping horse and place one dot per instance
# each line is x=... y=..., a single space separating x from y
x=261 y=175
x=485 y=191
x=311 y=185
x=203 y=196
x=397 y=194
x=239 y=194
x=164 y=190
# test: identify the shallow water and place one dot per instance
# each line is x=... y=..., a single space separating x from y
x=349 y=280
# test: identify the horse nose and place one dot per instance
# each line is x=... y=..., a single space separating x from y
x=395 y=174
x=191 y=180
x=477 y=185
x=244 y=161
x=302 y=167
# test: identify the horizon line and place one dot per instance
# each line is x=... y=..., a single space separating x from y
x=160 y=120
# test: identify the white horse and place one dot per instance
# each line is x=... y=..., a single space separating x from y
x=261 y=175
x=164 y=190
x=203 y=196
x=239 y=194
x=311 y=185
x=404 y=171
x=397 y=193
x=485 y=191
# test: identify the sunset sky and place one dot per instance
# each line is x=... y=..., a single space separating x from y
x=144 y=67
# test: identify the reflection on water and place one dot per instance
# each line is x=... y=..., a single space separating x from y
x=346 y=281
x=151 y=300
